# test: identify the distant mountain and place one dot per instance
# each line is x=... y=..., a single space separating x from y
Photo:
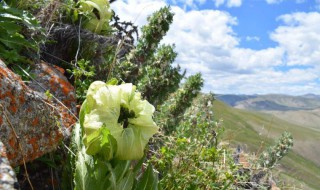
x=312 y=96
x=272 y=102
x=232 y=100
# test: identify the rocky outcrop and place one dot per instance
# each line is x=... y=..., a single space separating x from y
x=32 y=124
x=51 y=79
x=8 y=179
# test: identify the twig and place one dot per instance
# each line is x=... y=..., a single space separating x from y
x=79 y=42
x=263 y=142
x=69 y=149
x=120 y=43
x=17 y=138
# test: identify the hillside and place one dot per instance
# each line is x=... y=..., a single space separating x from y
x=304 y=118
x=254 y=131
x=272 y=102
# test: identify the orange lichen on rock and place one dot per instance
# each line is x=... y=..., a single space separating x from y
x=12 y=103
x=21 y=99
x=53 y=84
x=52 y=79
x=38 y=123
x=33 y=141
x=3 y=73
x=12 y=141
x=12 y=145
x=35 y=122
x=61 y=70
x=65 y=86
x=35 y=146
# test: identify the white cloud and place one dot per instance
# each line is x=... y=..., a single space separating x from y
x=294 y=82
x=234 y=3
x=229 y=3
x=299 y=37
x=280 y=1
x=274 y=1
x=193 y=4
x=206 y=43
x=252 y=38
x=136 y=10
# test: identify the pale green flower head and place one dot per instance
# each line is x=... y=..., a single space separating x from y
x=95 y=24
x=121 y=110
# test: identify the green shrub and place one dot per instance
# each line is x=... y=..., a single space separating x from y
x=83 y=75
x=190 y=157
x=18 y=34
x=159 y=78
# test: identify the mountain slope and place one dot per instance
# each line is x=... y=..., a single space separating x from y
x=304 y=118
x=255 y=131
x=275 y=102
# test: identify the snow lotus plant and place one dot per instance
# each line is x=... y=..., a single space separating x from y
x=118 y=113
x=115 y=126
x=98 y=13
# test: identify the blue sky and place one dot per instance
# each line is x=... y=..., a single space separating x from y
x=242 y=46
x=257 y=18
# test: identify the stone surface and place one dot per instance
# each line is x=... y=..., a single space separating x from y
x=8 y=180
x=32 y=124
x=51 y=78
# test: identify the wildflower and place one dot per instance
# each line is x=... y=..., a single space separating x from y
x=121 y=111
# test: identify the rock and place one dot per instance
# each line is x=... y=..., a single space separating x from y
x=31 y=124
x=8 y=180
x=51 y=78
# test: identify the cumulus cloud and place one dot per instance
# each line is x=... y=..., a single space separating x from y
x=229 y=3
x=294 y=82
x=234 y=3
x=252 y=38
x=206 y=43
x=188 y=3
x=136 y=11
x=299 y=37
x=274 y=1
x=280 y=1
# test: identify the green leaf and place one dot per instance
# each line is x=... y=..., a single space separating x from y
x=9 y=27
x=13 y=39
x=137 y=167
x=112 y=81
x=101 y=142
x=90 y=173
x=84 y=168
x=82 y=112
x=100 y=175
x=121 y=168
x=149 y=180
x=126 y=183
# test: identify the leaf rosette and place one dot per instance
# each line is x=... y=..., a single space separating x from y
x=124 y=117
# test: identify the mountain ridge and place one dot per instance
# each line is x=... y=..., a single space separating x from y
x=272 y=102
